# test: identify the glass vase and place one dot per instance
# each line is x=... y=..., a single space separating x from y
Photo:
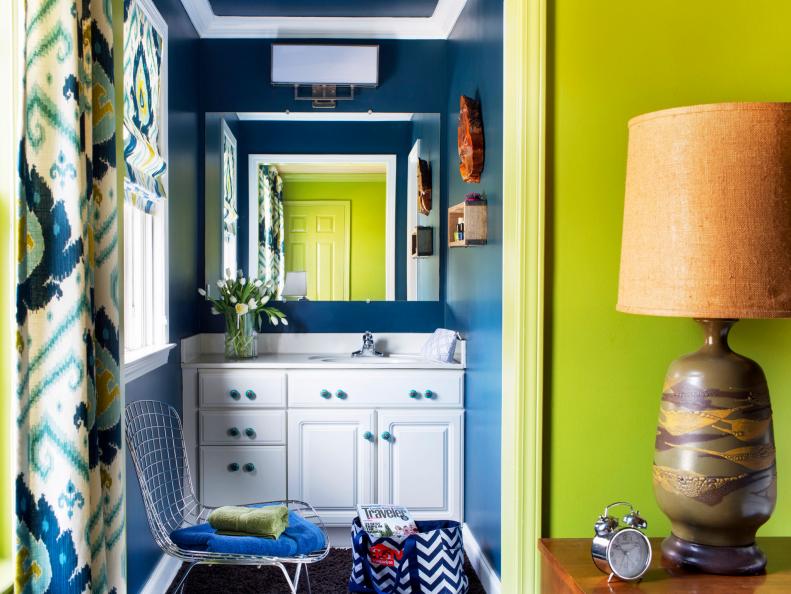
x=240 y=337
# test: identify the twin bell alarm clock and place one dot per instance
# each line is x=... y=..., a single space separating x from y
x=620 y=549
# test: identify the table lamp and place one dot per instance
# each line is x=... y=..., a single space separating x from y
x=296 y=285
x=707 y=235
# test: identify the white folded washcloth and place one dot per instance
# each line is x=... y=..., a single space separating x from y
x=441 y=346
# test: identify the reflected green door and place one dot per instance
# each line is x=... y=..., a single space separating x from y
x=317 y=242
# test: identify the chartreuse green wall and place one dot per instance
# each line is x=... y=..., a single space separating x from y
x=9 y=83
x=366 y=193
x=609 y=61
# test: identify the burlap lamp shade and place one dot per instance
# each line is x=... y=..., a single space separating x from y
x=707 y=217
x=707 y=235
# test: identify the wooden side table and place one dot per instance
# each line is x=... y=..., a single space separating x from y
x=566 y=568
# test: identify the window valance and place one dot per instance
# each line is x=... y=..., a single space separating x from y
x=144 y=182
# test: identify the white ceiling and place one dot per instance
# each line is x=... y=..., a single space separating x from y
x=437 y=26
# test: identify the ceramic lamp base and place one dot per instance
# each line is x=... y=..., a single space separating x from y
x=715 y=475
x=747 y=560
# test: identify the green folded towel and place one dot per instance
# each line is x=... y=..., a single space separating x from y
x=269 y=521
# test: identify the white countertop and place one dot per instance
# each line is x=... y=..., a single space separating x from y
x=318 y=361
x=317 y=351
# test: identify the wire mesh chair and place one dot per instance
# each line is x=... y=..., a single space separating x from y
x=156 y=445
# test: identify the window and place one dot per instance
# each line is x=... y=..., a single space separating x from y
x=145 y=190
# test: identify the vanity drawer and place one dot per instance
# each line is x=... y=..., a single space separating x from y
x=239 y=475
x=376 y=388
x=242 y=388
x=249 y=427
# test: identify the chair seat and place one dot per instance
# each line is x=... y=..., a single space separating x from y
x=300 y=538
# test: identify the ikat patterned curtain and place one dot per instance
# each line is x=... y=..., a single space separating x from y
x=144 y=185
x=230 y=215
x=70 y=482
x=271 y=229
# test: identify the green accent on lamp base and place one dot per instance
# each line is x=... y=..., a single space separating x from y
x=714 y=463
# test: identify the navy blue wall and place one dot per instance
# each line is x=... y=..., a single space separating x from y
x=185 y=121
x=474 y=275
x=235 y=75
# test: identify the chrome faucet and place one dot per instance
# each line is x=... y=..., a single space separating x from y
x=368 y=349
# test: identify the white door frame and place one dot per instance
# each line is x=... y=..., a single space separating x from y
x=411 y=220
x=389 y=161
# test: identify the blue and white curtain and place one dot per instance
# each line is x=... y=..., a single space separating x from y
x=144 y=185
x=271 y=229
x=230 y=215
x=70 y=484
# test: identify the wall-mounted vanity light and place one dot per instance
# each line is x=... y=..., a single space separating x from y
x=331 y=72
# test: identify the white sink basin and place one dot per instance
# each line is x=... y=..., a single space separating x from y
x=386 y=360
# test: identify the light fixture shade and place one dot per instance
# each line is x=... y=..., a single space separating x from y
x=707 y=218
x=333 y=64
x=296 y=284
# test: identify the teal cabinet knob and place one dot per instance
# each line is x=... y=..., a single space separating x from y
x=326 y=394
x=235 y=394
x=414 y=394
x=429 y=394
x=368 y=435
x=233 y=467
x=233 y=432
x=251 y=395
x=341 y=394
x=387 y=436
x=249 y=467
x=250 y=432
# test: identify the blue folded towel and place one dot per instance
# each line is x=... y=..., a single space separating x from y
x=300 y=538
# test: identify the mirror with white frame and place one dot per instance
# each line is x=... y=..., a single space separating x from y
x=325 y=206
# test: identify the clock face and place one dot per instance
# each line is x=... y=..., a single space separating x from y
x=629 y=554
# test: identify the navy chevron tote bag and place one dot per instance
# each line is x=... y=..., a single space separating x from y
x=430 y=561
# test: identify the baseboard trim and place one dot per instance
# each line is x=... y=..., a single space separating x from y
x=479 y=562
x=163 y=575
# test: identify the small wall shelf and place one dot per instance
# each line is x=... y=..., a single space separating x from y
x=475 y=215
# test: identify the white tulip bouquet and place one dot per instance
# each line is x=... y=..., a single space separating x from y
x=244 y=304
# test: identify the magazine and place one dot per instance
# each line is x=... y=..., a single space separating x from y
x=386 y=520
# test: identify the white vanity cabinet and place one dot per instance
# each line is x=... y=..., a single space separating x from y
x=280 y=427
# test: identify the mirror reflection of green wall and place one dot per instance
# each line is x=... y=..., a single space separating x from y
x=334 y=232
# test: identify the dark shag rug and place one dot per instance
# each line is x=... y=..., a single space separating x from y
x=329 y=576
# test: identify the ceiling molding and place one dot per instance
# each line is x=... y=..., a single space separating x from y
x=323 y=116
x=437 y=26
x=333 y=178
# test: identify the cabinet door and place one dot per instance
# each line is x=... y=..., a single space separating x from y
x=421 y=461
x=239 y=475
x=330 y=461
